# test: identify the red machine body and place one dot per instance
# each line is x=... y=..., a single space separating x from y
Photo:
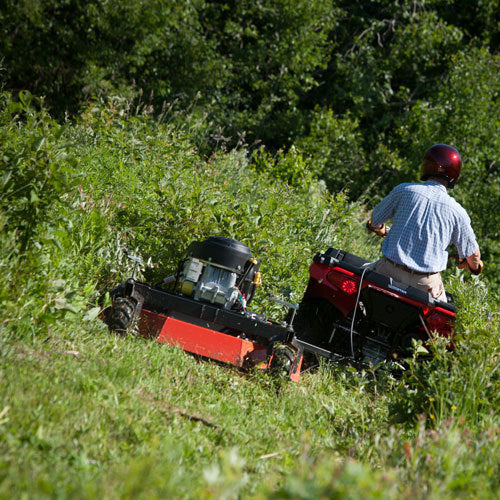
x=340 y=286
x=202 y=341
x=352 y=312
x=213 y=344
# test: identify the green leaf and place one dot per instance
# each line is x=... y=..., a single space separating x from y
x=34 y=197
x=39 y=143
x=62 y=304
x=421 y=350
x=91 y=314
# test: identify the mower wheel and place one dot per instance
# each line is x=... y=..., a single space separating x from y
x=121 y=315
x=282 y=360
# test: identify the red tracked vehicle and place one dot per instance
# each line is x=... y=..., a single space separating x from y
x=351 y=313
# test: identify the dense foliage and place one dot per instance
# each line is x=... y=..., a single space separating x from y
x=142 y=125
x=359 y=89
x=81 y=194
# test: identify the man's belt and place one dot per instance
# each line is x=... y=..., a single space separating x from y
x=406 y=268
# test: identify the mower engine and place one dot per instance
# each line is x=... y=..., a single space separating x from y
x=219 y=271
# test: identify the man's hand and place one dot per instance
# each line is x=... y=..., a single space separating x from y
x=378 y=230
x=472 y=263
x=463 y=264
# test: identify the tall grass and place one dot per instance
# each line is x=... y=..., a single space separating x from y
x=86 y=414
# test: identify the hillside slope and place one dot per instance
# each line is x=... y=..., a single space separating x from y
x=86 y=414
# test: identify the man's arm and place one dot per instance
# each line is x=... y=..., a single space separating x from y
x=464 y=239
x=381 y=213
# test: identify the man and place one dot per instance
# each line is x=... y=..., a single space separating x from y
x=425 y=219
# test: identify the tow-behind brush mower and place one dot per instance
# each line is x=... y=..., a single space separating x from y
x=203 y=310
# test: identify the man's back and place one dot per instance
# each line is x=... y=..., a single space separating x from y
x=425 y=220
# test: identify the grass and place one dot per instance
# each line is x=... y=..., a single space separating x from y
x=86 y=414
x=84 y=406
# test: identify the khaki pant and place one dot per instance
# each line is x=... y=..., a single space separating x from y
x=431 y=282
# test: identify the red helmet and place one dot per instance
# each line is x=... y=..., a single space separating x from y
x=442 y=161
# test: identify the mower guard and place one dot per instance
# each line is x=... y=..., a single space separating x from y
x=243 y=339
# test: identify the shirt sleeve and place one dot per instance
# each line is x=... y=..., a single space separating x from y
x=463 y=236
x=386 y=209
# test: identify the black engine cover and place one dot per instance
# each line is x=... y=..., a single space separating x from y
x=221 y=251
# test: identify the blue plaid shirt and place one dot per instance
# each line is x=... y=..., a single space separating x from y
x=425 y=219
